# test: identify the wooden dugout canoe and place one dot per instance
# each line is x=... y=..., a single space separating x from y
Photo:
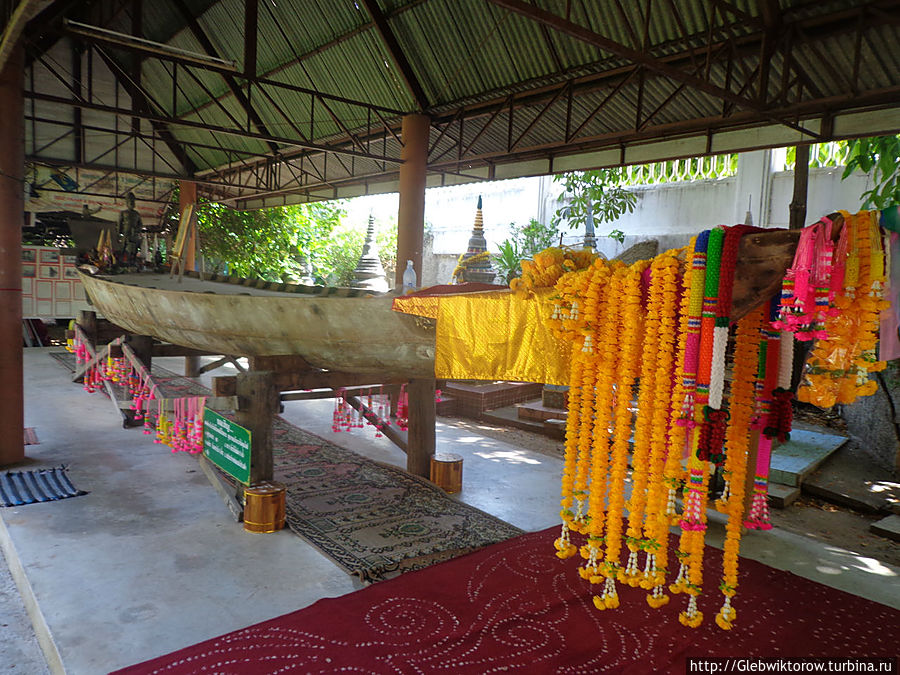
x=348 y=334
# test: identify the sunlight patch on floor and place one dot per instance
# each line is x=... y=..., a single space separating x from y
x=508 y=456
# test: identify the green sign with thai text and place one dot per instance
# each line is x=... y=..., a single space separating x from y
x=227 y=445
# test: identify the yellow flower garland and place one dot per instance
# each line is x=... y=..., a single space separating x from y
x=737 y=445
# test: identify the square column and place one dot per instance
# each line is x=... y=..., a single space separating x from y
x=12 y=187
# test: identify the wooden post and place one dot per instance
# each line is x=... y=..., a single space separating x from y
x=420 y=433
x=750 y=475
x=192 y=366
x=187 y=194
x=258 y=404
x=411 y=212
x=801 y=180
x=87 y=321
x=142 y=346
x=12 y=163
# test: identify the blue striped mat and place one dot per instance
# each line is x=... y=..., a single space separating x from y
x=42 y=485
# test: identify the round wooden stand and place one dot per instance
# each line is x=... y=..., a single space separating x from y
x=446 y=471
x=264 y=507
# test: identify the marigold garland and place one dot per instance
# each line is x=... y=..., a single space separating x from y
x=661 y=333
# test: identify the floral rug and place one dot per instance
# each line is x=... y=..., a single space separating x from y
x=373 y=520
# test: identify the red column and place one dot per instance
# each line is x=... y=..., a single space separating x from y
x=187 y=194
x=411 y=214
x=12 y=165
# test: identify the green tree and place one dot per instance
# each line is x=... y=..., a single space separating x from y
x=524 y=242
x=881 y=156
x=345 y=248
x=594 y=197
x=269 y=243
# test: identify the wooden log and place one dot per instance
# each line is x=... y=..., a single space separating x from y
x=420 y=437
x=258 y=404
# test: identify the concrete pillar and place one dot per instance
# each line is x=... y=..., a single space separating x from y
x=187 y=194
x=12 y=166
x=411 y=214
x=754 y=187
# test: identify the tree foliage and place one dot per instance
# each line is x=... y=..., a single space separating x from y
x=269 y=243
x=524 y=242
x=881 y=156
x=600 y=193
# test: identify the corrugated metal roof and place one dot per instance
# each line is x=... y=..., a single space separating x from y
x=475 y=58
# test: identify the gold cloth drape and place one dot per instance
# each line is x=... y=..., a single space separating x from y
x=496 y=335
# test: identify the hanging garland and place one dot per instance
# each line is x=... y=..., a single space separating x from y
x=659 y=330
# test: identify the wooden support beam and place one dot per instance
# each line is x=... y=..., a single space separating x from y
x=225 y=385
x=291 y=363
x=192 y=366
x=370 y=390
x=141 y=346
x=166 y=349
x=227 y=492
x=258 y=407
x=801 y=180
x=217 y=403
x=393 y=434
x=218 y=363
x=328 y=379
x=420 y=437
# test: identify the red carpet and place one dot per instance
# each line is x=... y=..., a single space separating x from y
x=514 y=606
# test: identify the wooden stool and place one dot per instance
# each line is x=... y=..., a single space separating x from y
x=446 y=471
x=264 y=507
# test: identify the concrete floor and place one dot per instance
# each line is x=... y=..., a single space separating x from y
x=150 y=560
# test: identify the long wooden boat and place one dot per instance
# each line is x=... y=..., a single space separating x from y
x=332 y=329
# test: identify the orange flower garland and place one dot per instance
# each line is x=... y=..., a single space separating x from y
x=618 y=343
x=737 y=444
x=628 y=368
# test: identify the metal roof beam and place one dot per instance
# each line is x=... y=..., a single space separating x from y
x=210 y=49
x=138 y=96
x=51 y=161
x=251 y=19
x=43 y=29
x=397 y=56
x=643 y=58
x=213 y=129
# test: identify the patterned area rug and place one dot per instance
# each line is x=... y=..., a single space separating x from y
x=515 y=607
x=373 y=520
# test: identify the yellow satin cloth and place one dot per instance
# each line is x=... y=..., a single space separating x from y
x=494 y=335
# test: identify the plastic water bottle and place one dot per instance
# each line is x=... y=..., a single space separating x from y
x=409 y=278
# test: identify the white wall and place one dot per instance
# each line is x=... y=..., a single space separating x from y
x=670 y=213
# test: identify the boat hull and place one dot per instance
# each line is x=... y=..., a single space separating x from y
x=349 y=334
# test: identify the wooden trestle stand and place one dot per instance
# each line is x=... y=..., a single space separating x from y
x=256 y=396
